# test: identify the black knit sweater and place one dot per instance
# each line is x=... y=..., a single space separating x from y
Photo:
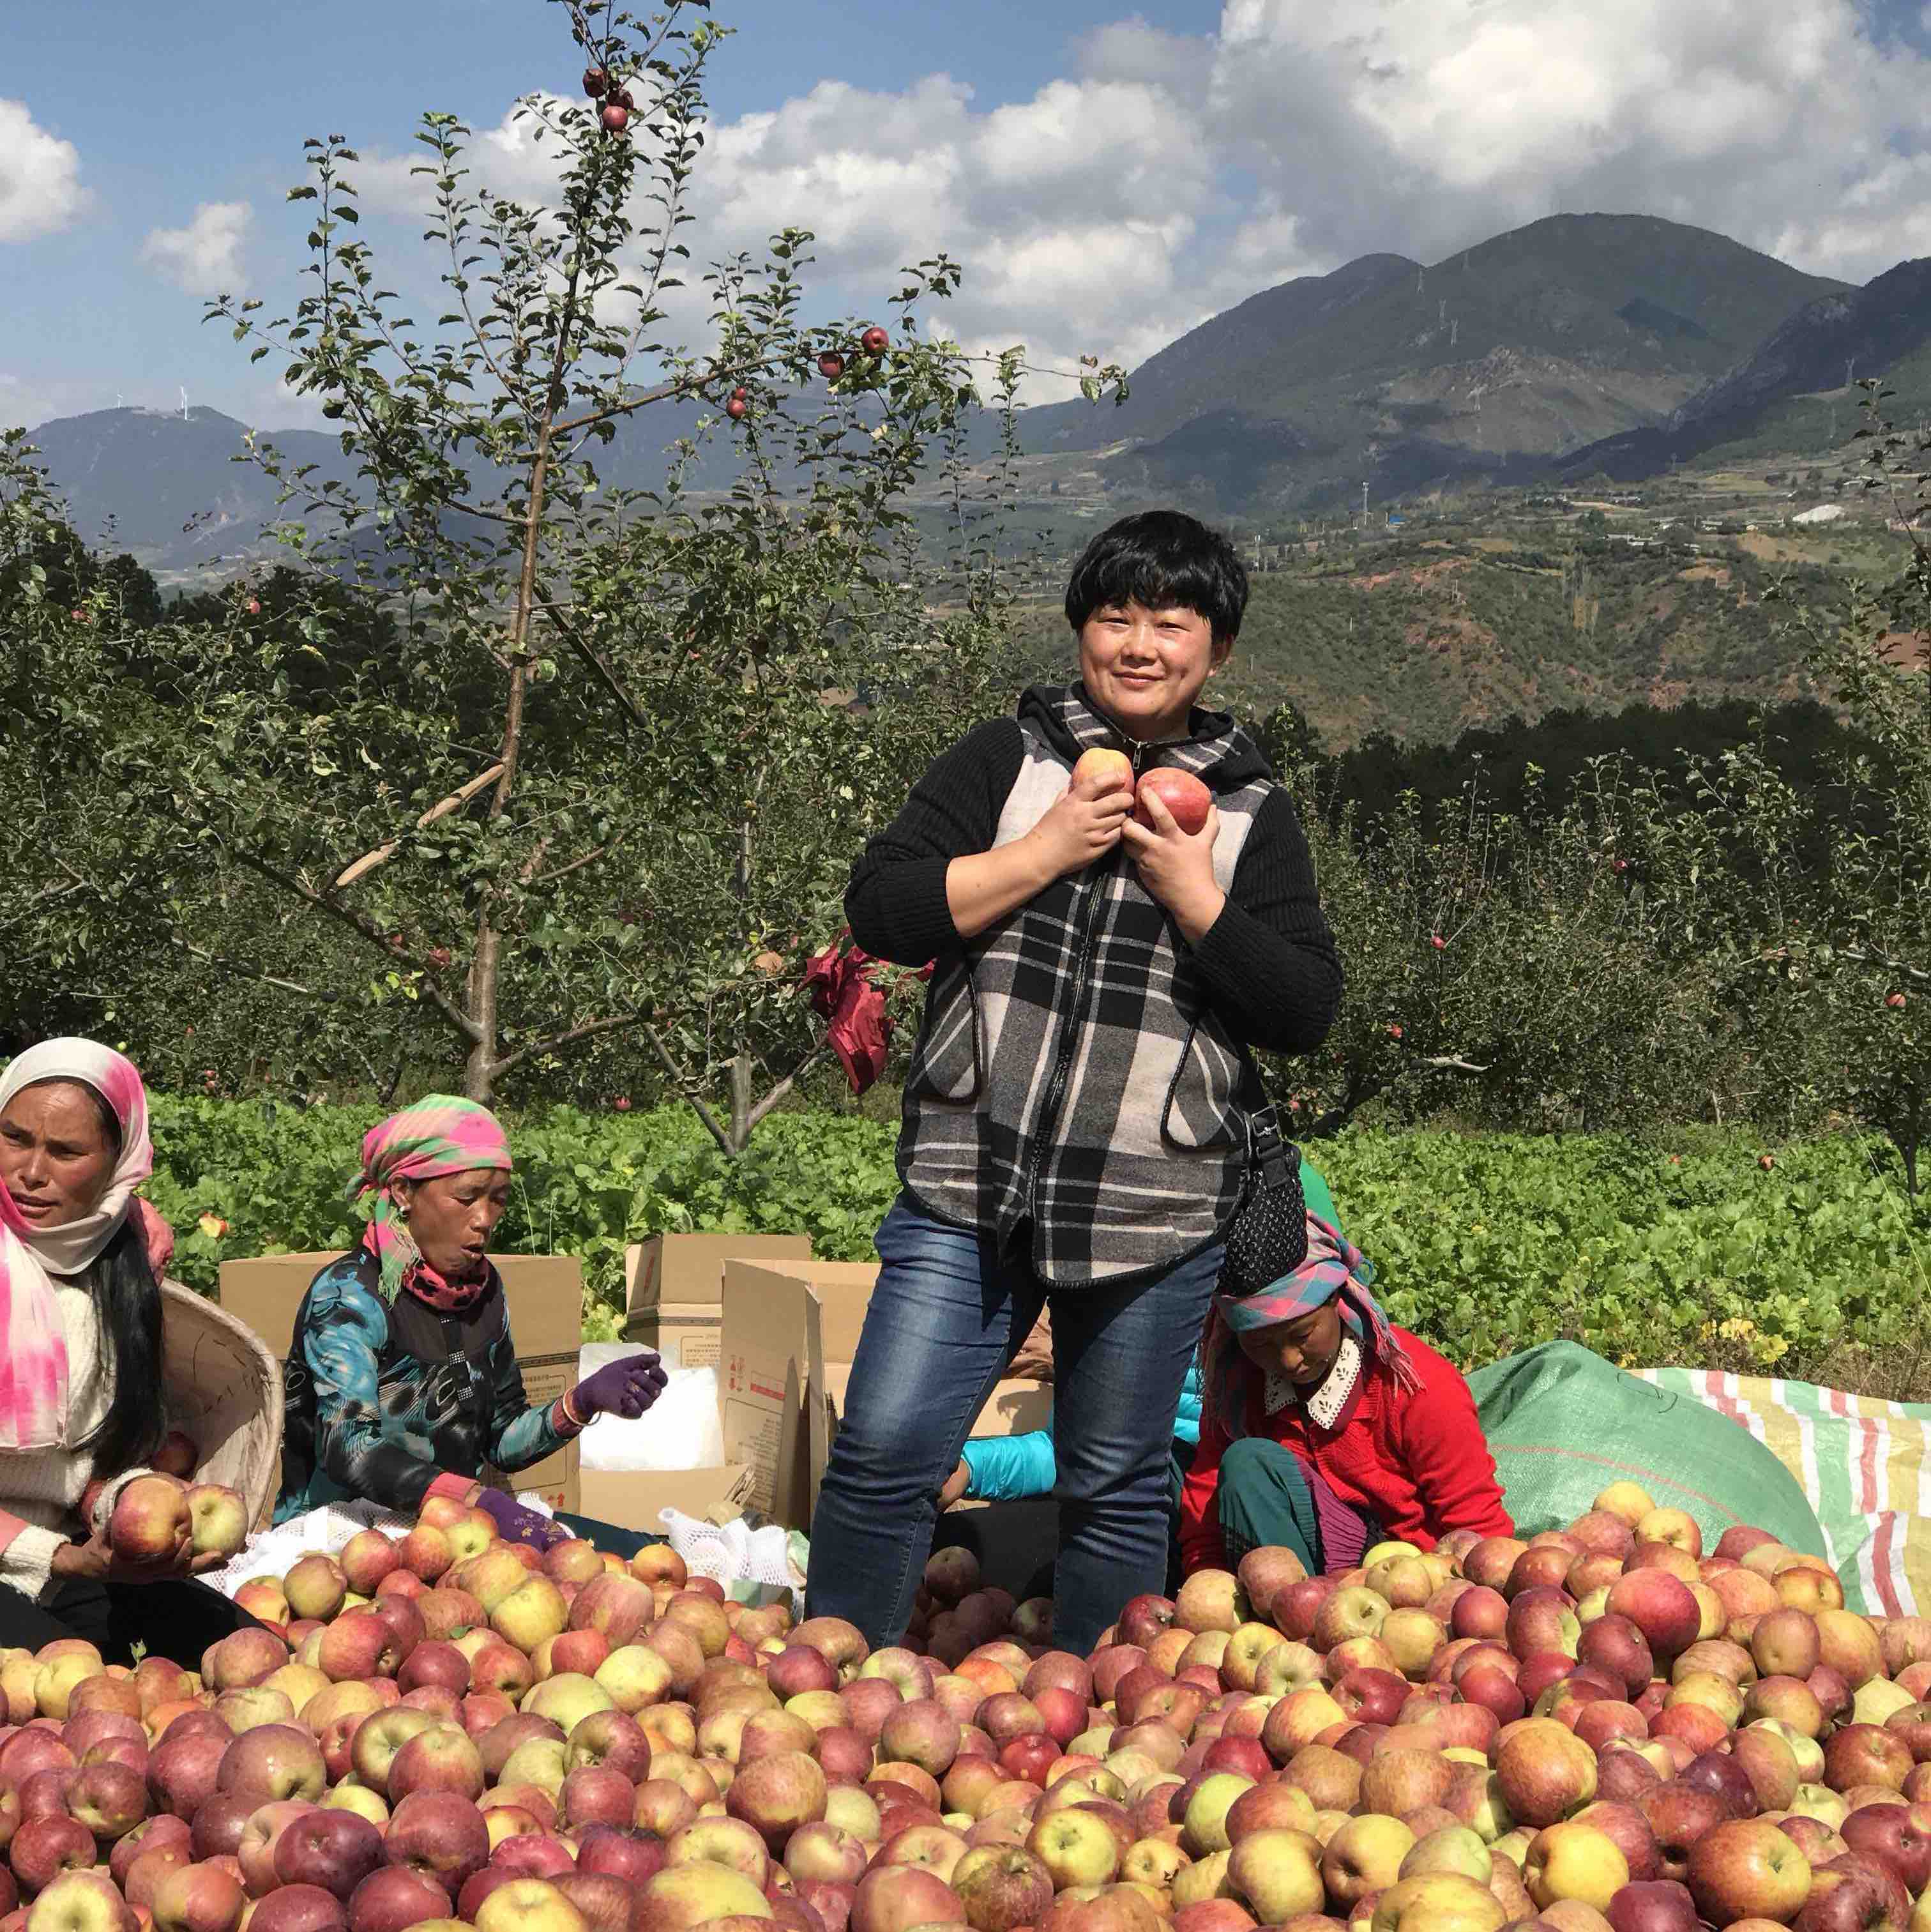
x=1081 y=1069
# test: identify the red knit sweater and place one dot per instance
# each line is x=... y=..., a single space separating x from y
x=1416 y=1461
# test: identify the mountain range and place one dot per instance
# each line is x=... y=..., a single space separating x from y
x=1580 y=345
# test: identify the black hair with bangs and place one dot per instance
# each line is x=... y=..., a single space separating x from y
x=1158 y=559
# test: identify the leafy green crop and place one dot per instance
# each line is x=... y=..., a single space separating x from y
x=1683 y=1250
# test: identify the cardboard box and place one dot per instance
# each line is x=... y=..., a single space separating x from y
x=686 y=1334
x=635 y=1498
x=686 y=1272
x=790 y=1331
x=545 y=1293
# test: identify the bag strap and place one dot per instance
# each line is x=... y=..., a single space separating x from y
x=1266 y=1151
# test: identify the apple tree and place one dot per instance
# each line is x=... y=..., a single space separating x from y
x=555 y=750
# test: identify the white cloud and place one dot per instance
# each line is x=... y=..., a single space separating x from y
x=1163 y=177
x=204 y=258
x=1423 y=125
x=39 y=177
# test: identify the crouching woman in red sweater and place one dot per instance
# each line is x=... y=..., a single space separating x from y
x=1326 y=1430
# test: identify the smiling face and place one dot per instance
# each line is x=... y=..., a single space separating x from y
x=57 y=1155
x=452 y=1217
x=1145 y=668
x=1303 y=1350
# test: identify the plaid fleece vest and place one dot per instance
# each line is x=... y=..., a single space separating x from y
x=1070 y=1073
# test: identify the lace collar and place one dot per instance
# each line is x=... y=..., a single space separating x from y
x=1329 y=1404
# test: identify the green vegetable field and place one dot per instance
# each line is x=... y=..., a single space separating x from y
x=1686 y=1249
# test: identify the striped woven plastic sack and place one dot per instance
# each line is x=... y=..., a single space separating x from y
x=1863 y=1465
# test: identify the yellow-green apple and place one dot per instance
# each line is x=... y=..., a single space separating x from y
x=1573 y=1860
x=1278 y=1872
x=1363 y=1856
x=1096 y=771
x=1629 y=1500
x=1075 y=1846
x=568 y=1698
x=1437 y=1902
x=532 y=1612
x=682 y=1896
x=315 y=1586
x=218 y=1519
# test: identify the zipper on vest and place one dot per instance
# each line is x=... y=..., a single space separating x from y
x=1062 y=1059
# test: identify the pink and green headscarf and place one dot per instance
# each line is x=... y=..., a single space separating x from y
x=33 y=1338
x=440 y=1134
x=1334 y=1270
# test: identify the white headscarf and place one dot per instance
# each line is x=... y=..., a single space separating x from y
x=33 y=1367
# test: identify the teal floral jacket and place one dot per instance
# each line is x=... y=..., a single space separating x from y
x=381 y=1400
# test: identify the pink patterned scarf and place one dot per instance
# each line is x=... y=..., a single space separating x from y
x=33 y=1340
x=439 y=1134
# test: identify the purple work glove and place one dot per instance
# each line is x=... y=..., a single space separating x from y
x=516 y=1524
x=625 y=1388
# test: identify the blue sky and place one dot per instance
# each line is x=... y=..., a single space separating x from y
x=1109 y=174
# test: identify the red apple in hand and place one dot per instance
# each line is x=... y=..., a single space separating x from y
x=1181 y=793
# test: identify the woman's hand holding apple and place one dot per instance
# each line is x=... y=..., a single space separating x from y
x=1176 y=867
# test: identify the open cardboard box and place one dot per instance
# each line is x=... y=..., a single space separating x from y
x=545 y=1294
x=790 y=1330
x=674 y=1290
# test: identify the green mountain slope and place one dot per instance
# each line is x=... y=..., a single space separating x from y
x=1534 y=343
x=1423 y=640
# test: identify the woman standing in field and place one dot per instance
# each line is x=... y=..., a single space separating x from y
x=1075 y=1115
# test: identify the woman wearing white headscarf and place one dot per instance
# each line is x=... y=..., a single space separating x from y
x=80 y=1363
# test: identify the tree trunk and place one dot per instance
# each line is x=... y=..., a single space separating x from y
x=479 y=1069
x=480 y=1076
x=741 y=1103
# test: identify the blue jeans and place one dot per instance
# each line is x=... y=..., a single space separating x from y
x=944 y=1320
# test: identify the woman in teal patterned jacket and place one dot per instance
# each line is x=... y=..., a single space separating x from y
x=401 y=1381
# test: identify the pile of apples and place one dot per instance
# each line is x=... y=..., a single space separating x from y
x=1601 y=1726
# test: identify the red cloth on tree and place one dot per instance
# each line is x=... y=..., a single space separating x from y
x=845 y=993
x=1414 y=1459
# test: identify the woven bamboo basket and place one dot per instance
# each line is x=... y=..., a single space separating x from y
x=222 y=1387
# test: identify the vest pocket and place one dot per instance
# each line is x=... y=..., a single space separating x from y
x=946 y=1066
x=1201 y=1111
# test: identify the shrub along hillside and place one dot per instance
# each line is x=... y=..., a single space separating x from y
x=1687 y=1250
